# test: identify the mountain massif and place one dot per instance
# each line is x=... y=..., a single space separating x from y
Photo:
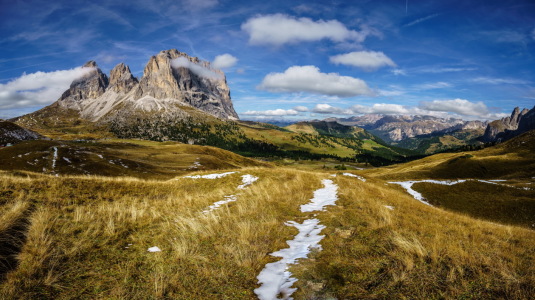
x=395 y=128
x=172 y=84
x=518 y=122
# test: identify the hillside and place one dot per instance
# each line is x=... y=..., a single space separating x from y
x=11 y=133
x=130 y=158
x=494 y=184
x=329 y=138
x=88 y=237
x=508 y=160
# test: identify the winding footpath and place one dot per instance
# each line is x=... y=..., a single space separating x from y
x=275 y=279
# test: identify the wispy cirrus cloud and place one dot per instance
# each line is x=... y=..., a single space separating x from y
x=432 y=86
x=494 y=80
x=420 y=20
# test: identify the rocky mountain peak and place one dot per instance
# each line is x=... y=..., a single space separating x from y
x=90 y=64
x=91 y=85
x=121 y=79
x=171 y=79
x=520 y=121
x=172 y=74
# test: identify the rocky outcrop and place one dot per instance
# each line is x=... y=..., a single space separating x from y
x=175 y=75
x=92 y=85
x=121 y=79
x=11 y=133
x=508 y=127
x=171 y=80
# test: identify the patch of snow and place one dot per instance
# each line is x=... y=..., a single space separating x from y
x=486 y=181
x=209 y=176
x=389 y=207
x=275 y=279
x=100 y=155
x=333 y=175
x=195 y=165
x=216 y=205
x=247 y=180
x=154 y=249
x=54 y=158
x=322 y=197
x=407 y=185
x=66 y=159
x=356 y=176
x=497 y=180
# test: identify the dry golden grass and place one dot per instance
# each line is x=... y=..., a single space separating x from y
x=88 y=239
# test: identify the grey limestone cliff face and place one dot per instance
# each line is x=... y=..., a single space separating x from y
x=91 y=85
x=162 y=80
x=164 y=87
x=503 y=128
x=121 y=79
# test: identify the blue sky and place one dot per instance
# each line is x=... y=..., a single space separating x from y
x=287 y=59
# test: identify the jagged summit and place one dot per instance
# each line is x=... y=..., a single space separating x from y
x=506 y=128
x=121 y=79
x=170 y=79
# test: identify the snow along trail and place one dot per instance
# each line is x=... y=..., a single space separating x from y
x=356 y=176
x=275 y=279
x=54 y=158
x=322 y=197
x=210 y=176
x=246 y=181
x=407 y=185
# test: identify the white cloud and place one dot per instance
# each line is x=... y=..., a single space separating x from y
x=329 y=109
x=309 y=79
x=380 y=108
x=367 y=60
x=399 y=72
x=491 y=80
x=391 y=93
x=224 y=61
x=182 y=62
x=280 y=29
x=436 y=70
x=301 y=108
x=459 y=106
x=431 y=86
x=276 y=112
x=37 y=89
